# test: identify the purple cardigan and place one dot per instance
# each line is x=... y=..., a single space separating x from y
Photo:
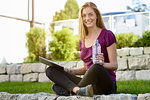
x=106 y=38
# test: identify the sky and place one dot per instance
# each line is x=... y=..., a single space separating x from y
x=12 y=32
x=45 y=9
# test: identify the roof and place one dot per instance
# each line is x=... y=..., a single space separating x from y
x=114 y=13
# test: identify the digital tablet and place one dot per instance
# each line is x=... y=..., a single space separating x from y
x=50 y=63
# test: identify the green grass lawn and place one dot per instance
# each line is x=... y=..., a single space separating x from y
x=26 y=87
x=131 y=87
x=134 y=87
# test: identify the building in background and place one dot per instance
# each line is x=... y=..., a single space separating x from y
x=118 y=22
x=13 y=39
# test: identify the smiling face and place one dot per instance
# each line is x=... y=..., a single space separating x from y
x=89 y=17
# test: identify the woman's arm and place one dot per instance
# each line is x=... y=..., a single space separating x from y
x=78 y=71
x=112 y=55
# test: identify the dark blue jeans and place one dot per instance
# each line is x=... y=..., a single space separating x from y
x=96 y=75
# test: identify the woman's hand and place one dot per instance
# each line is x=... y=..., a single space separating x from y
x=100 y=58
x=68 y=70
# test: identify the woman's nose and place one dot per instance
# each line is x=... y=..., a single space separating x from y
x=87 y=17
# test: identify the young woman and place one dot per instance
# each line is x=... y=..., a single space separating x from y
x=97 y=78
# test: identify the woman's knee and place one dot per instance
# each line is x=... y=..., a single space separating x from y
x=97 y=67
x=49 y=71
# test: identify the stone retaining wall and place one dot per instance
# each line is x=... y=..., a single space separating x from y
x=133 y=64
x=47 y=96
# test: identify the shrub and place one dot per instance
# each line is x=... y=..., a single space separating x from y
x=144 y=41
x=138 y=43
x=126 y=39
x=35 y=44
x=77 y=39
x=63 y=45
x=77 y=52
x=146 y=38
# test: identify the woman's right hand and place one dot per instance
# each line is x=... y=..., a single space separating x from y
x=68 y=70
x=100 y=58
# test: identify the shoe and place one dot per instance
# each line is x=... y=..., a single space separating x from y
x=86 y=91
x=60 y=91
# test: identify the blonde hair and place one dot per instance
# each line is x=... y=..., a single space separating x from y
x=82 y=28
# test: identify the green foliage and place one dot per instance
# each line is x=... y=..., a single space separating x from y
x=77 y=40
x=138 y=6
x=146 y=38
x=63 y=45
x=126 y=39
x=77 y=52
x=138 y=43
x=144 y=41
x=59 y=16
x=51 y=28
x=71 y=11
x=35 y=44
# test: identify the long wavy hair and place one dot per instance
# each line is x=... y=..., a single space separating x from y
x=99 y=22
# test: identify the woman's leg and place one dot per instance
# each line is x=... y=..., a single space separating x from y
x=62 y=78
x=98 y=76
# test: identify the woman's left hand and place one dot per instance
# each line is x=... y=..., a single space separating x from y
x=100 y=58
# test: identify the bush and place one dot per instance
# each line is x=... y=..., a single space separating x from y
x=146 y=38
x=139 y=43
x=77 y=52
x=126 y=39
x=35 y=44
x=144 y=41
x=63 y=45
x=77 y=39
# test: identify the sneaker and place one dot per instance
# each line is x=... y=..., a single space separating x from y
x=86 y=91
x=60 y=91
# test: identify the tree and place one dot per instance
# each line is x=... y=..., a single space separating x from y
x=138 y=6
x=71 y=11
x=59 y=16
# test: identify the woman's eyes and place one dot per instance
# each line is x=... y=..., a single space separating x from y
x=90 y=14
x=83 y=16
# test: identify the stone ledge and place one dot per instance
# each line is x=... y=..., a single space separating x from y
x=129 y=68
x=47 y=96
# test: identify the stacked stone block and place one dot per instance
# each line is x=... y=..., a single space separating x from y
x=31 y=72
x=47 y=96
x=133 y=64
